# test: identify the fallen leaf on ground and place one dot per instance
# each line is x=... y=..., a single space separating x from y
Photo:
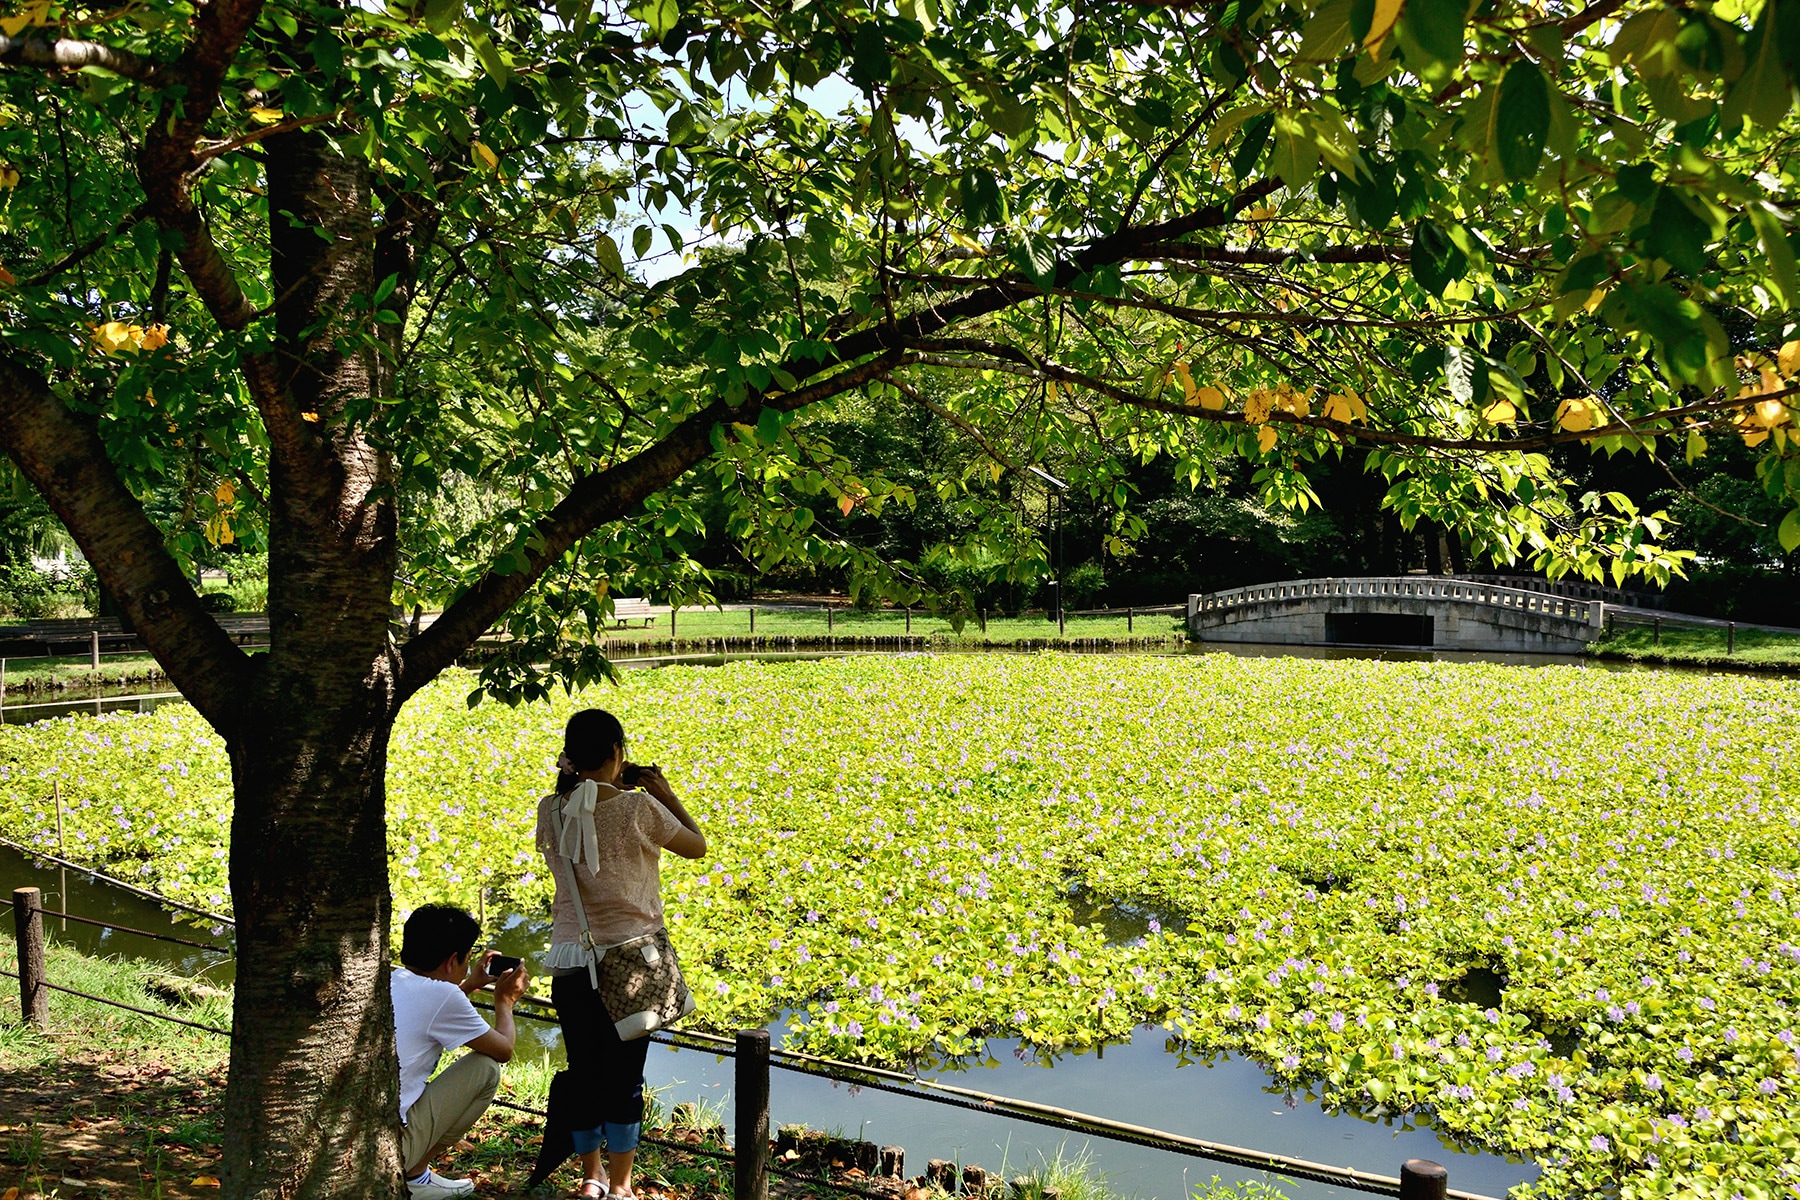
x=204 y=1181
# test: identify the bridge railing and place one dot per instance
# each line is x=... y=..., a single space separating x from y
x=1414 y=587
x=1579 y=589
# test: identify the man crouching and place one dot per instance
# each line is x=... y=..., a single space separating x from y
x=432 y=1014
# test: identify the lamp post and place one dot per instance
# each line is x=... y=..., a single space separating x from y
x=1056 y=538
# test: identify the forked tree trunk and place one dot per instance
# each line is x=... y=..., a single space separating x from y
x=312 y=1104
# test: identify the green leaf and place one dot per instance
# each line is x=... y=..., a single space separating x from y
x=1256 y=136
x=1036 y=259
x=1466 y=372
x=1436 y=261
x=491 y=62
x=1375 y=197
x=1328 y=31
x=1153 y=112
x=1762 y=92
x=606 y=253
x=1778 y=255
x=1676 y=234
x=981 y=201
x=1431 y=35
x=640 y=240
x=1296 y=156
x=870 y=62
x=1522 y=120
x=660 y=15
x=1789 y=533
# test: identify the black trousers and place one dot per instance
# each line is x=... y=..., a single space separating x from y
x=606 y=1075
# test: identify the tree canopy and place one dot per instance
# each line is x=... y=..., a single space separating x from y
x=480 y=305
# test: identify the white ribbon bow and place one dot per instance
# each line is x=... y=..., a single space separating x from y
x=578 y=840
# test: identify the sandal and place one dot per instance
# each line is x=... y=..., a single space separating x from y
x=593 y=1189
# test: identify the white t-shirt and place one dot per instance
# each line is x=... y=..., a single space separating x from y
x=430 y=1017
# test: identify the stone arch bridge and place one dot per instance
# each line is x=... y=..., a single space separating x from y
x=1410 y=611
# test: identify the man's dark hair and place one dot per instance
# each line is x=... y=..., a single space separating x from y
x=433 y=933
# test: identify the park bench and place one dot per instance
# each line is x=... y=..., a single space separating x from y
x=632 y=608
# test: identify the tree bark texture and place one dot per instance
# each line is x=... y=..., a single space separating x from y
x=312 y=1103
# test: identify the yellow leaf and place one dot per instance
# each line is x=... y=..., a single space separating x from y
x=264 y=115
x=114 y=337
x=995 y=470
x=310 y=416
x=846 y=503
x=484 y=156
x=1210 y=397
x=1770 y=413
x=1297 y=403
x=1347 y=407
x=1754 y=437
x=9 y=175
x=6 y=278
x=1500 y=412
x=1266 y=438
x=1186 y=379
x=154 y=337
x=1576 y=414
x=968 y=243
x=1789 y=358
x=1258 y=405
x=1696 y=445
x=1050 y=390
x=225 y=493
x=1382 y=23
x=12 y=1193
x=204 y=1181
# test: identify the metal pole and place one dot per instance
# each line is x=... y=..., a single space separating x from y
x=28 y=927
x=1422 y=1179
x=829 y=626
x=94 y=651
x=671 y=624
x=752 y=1145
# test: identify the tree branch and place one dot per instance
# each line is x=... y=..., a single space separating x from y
x=168 y=160
x=593 y=501
x=92 y=247
x=65 y=460
x=39 y=50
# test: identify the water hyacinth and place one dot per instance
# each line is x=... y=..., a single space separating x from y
x=1615 y=853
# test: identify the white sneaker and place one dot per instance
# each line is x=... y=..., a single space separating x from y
x=436 y=1187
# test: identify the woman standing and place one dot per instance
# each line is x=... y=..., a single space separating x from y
x=603 y=845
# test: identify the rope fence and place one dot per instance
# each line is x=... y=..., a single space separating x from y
x=1418 y=1180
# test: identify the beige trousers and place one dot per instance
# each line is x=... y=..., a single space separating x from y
x=448 y=1108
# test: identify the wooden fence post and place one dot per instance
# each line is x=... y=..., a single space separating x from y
x=3 y=661
x=1657 y=636
x=751 y=1150
x=752 y=620
x=671 y=624
x=62 y=851
x=28 y=924
x=829 y=626
x=1128 y=625
x=1422 y=1179
x=94 y=651
x=1730 y=637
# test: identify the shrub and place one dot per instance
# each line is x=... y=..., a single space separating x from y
x=218 y=602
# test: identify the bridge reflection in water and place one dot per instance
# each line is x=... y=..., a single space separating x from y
x=1415 y=611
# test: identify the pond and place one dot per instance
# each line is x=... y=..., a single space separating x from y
x=1149 y=1080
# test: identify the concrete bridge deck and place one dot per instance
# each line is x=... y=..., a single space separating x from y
x=1429 y=611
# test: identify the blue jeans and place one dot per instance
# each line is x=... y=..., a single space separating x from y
x=607 y=1097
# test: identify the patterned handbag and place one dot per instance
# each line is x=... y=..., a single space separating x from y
x=639 y=980
x=641 y=985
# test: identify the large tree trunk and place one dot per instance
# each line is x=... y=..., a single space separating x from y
x=312 y=1104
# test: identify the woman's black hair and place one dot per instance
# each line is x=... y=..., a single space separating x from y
x=588 y=741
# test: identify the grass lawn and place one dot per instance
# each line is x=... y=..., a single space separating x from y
x=51 y=674
x=1750 y=649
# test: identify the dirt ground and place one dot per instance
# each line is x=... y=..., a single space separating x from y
x=92 y=1127
x=139 y=1129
